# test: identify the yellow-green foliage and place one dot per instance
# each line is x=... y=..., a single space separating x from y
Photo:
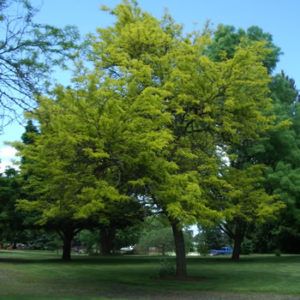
x=152 y=115
x=208 y=103
x=91 y=142
x=245 y=198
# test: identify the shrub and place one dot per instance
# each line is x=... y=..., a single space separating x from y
x=203 y=249
x=166 y=269
x=277 y=252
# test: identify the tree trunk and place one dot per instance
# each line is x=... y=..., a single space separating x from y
x=14 y=245
x=239 y=233
x=107 y=236
x=236 y=249
x=67 y=239
x=180 y=251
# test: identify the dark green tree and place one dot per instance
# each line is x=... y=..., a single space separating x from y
x=248 y=199
x=30 y=130
x=227 y=38
x=211 y=237
x=11 y=221
x=281 y=153
x=157 y=233
x=118 y=217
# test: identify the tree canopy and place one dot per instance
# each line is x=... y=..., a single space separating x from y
x=179 y=122
x=28 y=53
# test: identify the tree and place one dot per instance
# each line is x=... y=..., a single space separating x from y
x=88 y=140
x=11 y=221
x=245 y=202
x=249 y=154
x=278 y=150
x=89 y=239
x=117 y=218
x=153 y=112
x=281 y=154
x=28 y=53
x=227 y=38
x=213 y=118
x=30 y=131
x=211 y=104
x=127 y=236
x=158 y=233
x=210 y=237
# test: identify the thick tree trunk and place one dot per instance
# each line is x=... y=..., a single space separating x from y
x=107 y=236
x=67 y=239
x=236 y=249
x=180 y=251
x=14 y=245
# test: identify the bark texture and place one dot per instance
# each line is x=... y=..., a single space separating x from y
x=240 y=229
x=107 y=236
x=181 y=271
x=67 y=239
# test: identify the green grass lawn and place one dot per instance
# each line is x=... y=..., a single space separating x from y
x=41 y=275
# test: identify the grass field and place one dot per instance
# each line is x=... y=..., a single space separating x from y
x=41 y=275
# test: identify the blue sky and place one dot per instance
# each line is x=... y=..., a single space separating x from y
x=278 y=17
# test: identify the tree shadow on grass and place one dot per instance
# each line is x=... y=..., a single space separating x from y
x=12 y=257
x=295 y=258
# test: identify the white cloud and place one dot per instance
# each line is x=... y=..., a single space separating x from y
x=7 y=152
x=7 y=156
x=5 y=164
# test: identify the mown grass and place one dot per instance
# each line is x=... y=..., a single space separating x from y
x=42 y=275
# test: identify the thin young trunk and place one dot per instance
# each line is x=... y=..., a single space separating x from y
x=180 y=251
x=107 y=236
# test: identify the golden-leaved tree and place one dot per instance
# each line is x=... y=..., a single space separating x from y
x=211 y=106
x=92 y=141
x=149 y=121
